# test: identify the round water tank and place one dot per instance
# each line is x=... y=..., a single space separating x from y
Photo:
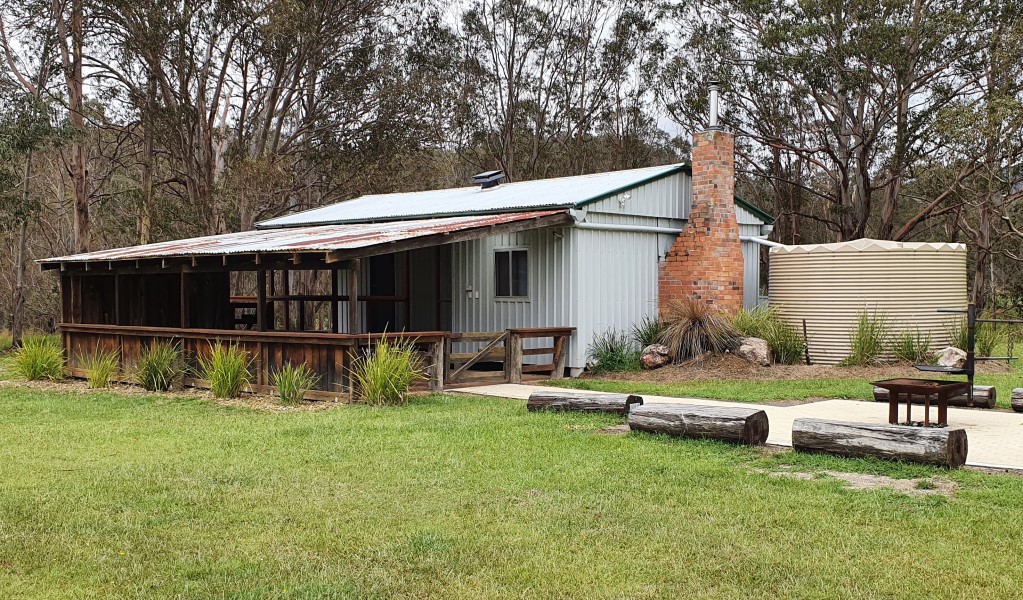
x=830 y=285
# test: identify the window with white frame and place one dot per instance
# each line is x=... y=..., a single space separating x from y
x=511 y=268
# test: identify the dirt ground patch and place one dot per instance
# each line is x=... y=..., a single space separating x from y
x=925 y=486
x=731 y=367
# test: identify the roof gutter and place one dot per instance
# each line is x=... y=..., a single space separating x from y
x=629 y=228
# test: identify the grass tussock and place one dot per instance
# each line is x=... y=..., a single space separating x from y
x=786 y=343
x=100 y=368
x=613 y=350
x=159 y=366
x=39 y=358
x=868 y=340
x=385 y=372
x=693 y=328
x=647 y=331
x=913 y=347
x=226 y=368
x=986 y=337
x=292 y=382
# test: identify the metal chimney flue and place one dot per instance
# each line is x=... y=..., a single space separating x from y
x=715 y=88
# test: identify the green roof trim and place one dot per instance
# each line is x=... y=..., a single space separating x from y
x=757 y=211
x=688 y=170
x=632 y=186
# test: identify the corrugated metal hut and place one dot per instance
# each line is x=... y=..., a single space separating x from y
x=514 y=277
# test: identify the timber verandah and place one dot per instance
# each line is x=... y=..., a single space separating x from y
x=123 y=308
x=330 y=355
x=322 y=295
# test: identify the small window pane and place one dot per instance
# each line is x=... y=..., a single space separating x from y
x=520 y=273
x=503 y=270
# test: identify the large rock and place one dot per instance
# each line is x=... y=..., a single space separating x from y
x=755 y=350
x=655 y=356
x=952 y=357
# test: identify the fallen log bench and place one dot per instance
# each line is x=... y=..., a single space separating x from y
x=730 y=424
x=929 y=445
x=618 y=404
x=1017 y=399
x=984 y=396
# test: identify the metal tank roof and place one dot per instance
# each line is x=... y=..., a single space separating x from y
x=869 y=245
x=560 y=192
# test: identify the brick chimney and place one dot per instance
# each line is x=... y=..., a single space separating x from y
x=705 y=262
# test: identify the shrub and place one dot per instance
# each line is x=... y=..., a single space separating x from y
x=386 y=371
x=755 y=322
x=293 y=382
x=986 y=337
x=868 y=340
x=39 y=358
x=787 y=345
x=612 y=350
x=158 y=366
x=647 y=331
x=913 y=347
x=693 y=328
x=226 y=368
x=100 y=367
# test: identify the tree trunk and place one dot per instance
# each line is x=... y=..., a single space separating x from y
x=1017 y=399
x=18 y=316
x=18 y=312
x=984 y=396
x=930 y=445
x=607 y=403
x=731 y=424
x=76 y=103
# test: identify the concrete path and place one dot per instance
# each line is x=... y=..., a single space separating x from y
x=995 y=436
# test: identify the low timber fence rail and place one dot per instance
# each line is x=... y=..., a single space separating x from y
x=496 y=357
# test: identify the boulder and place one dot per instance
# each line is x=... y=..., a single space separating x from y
x=755 y=350
x=655 y=356
x=952 y=357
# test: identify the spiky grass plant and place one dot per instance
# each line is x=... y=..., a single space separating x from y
x=293 y=382
x=39 y=358
x=868 y=340
x=159 y=366
x=612 y=350
x=986 y=336
x=913 y=347
x=787 y=345
x=385 y=372
x=100 y=368
x=647 y=331
x=226 y=368
x=693 y=328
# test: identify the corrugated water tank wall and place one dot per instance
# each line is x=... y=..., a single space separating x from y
x=830 y=285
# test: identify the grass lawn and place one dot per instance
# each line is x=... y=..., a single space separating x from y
x=107 y=495
x=779 y=389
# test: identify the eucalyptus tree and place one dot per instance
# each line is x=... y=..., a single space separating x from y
x=544 y=78
x=838 y=101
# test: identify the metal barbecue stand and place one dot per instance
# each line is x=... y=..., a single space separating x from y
x=969 y=367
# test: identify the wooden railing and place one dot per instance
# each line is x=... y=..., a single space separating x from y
x=329 y=355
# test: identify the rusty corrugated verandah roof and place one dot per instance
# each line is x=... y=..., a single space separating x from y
x=318 y=238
